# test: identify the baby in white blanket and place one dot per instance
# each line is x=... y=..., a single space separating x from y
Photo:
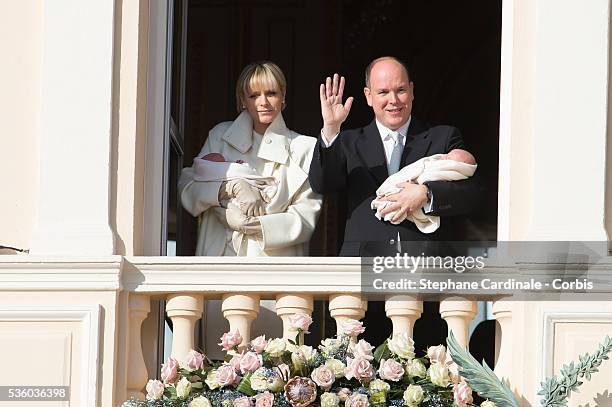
x=456 y=165
x=213 y=167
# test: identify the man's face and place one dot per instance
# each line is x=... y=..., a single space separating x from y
x=390 y=94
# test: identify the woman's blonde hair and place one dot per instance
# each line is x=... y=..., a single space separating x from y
x=259 y=75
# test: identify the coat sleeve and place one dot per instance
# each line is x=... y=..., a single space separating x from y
x=328 y=172
x=296 y=224
x=456 y=197
x=198 y=196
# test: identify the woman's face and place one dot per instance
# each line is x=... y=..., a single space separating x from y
x=263 y=105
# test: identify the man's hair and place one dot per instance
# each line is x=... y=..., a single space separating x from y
x=264 y=75
x=368 y=70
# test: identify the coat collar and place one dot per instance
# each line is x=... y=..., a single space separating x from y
x=274 y=145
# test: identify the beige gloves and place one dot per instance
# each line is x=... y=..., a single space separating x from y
x=247 y=197
x=234 y=219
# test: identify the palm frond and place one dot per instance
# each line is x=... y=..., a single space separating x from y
x=480 y=377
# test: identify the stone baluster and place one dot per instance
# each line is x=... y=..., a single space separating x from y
x=184 y=310
x=502 y=311
x=403 y=310
x=346 y=306
x=458 y=312
x=240 y=310
x=291 y=304
x=137 y=376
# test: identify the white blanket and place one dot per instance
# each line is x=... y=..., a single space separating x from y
x=432 y=168
x=207 y=170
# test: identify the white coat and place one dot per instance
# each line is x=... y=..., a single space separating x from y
x=293 y=211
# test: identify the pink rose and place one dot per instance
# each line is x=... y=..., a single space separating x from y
x=360 y=369
x=265 y=399
x=323 y=377
x=194 y=360
x=453 y=372
x=226 y=376
x=390 y=370
x=437 y=354
x=169 y=371
x=230 y=339
x=250 y=362
x=300 y=321
x=356 y=400
x=259 y=343
x=243 y=402
x=235 y=361
x=352 y=327
x=462 y=393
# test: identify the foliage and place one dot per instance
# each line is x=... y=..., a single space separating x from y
x=556 y=390
x=480 y=377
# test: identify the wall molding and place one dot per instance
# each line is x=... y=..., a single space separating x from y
x=562 y=313
x=89 y=319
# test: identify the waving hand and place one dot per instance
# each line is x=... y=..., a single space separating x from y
x=333 y=111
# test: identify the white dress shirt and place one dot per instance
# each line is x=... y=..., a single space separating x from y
x=388 y=144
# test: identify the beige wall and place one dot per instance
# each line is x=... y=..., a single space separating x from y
x=20 y=81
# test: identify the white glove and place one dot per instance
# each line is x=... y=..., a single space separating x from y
x=234 y=219
x=248 y=198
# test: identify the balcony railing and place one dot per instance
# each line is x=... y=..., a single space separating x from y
x=294 y=283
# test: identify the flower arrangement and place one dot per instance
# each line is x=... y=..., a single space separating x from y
x=286 y=373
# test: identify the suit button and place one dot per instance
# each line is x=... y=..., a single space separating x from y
x=268 y=141
x=391 y=241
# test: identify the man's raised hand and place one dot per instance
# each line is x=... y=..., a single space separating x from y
x=333 y=111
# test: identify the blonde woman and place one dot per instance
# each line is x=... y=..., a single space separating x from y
x=237 y=217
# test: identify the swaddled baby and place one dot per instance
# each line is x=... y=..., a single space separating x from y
x=214 y=167
x=456 y=165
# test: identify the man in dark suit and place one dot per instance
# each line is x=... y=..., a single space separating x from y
x=356 y=162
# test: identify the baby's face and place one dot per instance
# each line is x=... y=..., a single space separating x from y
x=460 y=156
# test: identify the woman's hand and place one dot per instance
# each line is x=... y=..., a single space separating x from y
x=234 y=219
x=333 y=111
x=249 y=199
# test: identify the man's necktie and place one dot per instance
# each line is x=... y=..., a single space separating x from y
x=396 y=154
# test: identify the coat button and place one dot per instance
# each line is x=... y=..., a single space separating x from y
x=268 y=141
x=391 y=241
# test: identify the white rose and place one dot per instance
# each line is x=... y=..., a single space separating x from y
x=362 y=349
x=183 y=388
x=438 y=374
x=303 y=355
x=416 y=368
x=379 y=385
x=199 y=402
x=211 y=380
x=329 y=400
x=413 y=395
x=336 y=366
x=276 y=347
x=259 y=381
x=155 y=390
x=401 y=345
x=488 y=403
x=329 y=346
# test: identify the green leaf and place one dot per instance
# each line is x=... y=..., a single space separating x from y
x=480 y=377
x=245 y=385
x=382 y=352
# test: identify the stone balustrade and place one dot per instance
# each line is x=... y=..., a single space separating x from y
x=294 y=284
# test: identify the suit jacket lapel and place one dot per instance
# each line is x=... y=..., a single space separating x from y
x=372 y=153
x=417 y=143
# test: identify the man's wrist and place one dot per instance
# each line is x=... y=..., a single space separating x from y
x=330 y=132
